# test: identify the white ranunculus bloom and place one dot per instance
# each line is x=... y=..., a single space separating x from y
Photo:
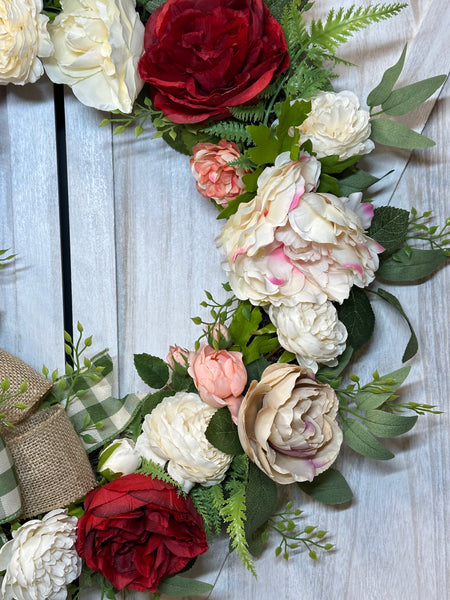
x=41 y=559
x=312 y=332
x=174 y=432
x=98 y=44
x=337 y=125
x=119 y=457
x=23 y=39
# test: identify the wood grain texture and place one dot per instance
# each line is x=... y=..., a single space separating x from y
x=142 y=251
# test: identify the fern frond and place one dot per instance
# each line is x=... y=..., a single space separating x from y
x=209 y=501
x=249 y=114
x=238 y=470
x=307 y=81
x=234 y=513
x=340 y=25
x=244 y=162
x=155 y=471
x=294 y=28
x=230 y=130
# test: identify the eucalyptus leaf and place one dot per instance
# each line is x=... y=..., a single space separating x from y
x=357 y=315
x=356 y=182
x=329 y=373
x=367 y=400
x=382 y=91
x=362 y=441
x=222 y=432
x=412 y=265
x=391 y=133
x=413 y=344
x=409 y=97
x=329 y=487
x=152 y=370
x=384 y=424
x=389 y=227
x=183 y=586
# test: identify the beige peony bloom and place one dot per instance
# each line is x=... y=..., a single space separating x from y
x=23 y=40
x=41 y=559
x=312 y=332
x=174 y=433
x=97 y=47
x=287 y=424
x=337 y=125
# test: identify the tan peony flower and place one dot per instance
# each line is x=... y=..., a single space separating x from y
x=312 y=332
x=287 y=424
x=97 y=47
x=337 y=125
x=23 y=40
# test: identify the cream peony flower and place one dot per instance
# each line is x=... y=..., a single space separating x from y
x=337 y=125
x=119 y=457
x=290 y=245
x=97 y=47
x=41 y=559
x=23 y=39
x=312 y=332
x=287 y=424
x=175 y=432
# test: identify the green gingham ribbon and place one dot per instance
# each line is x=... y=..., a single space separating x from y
x=10 y=501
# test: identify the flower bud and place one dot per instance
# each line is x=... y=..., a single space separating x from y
x=219 y=337
x=178 y=359
x=118 y=458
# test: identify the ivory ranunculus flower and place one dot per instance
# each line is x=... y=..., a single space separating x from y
x=290 y=244
x=312 y=332
x=337 y=125
x=97 y=47
x=119 y=457
x=23 y=40
x=174 y=433
x=287 y=424
x=41 y=559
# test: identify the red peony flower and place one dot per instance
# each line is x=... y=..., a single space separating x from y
x=203 y=56
x=136 y=530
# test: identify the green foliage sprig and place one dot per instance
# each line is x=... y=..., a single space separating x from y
x=4 y=259
x=5 y=385
x=221 y=314
x=420 y=229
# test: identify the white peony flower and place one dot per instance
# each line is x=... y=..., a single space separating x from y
x=23 y=39
x=41 y=559
x=119 y=457
x=312 y=332
x=174 y=432
x=97 y=47
x=337 y=125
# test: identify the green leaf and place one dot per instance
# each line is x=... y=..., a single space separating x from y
x=152 y=400
x=384 y=424
x=413 y=344
x=380 y=93
x=182 y=586
x=233 y=205
x=412 y=265
x=389 y=227
x=328 y=185
x=256 y=368
x=267 y=146
x=329 y=373
x=363 y=442
x=261 y=499
x=244 y=323
x=356 y=182
x=357 y=315
x=88 y=439
x=152 y=370
x=397 y=135
x=374 y=394
x=291 y=115
x=329 y=487
x=332 y=164
x=366 y=399
x=222 y=432
x=407 y=98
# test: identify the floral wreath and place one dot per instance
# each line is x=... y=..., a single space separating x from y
x=137 y=486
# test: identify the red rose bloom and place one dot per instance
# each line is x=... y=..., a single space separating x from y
x=203 y=56
x=137 y=530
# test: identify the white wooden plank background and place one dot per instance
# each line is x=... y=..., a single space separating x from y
x=142 y=252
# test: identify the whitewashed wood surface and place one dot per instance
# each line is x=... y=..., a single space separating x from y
x=142 y=252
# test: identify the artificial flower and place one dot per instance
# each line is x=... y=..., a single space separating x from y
x=219 y=336
x=204 y=56
x=23 y=41
x=337 y=125
x=41 y=559
x=219 y=376
x=119 y=458
x=97 y=47
x=312 y=332
x=174 y=433
x=178 y=359
x=136 y=530
x=290 y=245
x=215 y=177
x=287 y=424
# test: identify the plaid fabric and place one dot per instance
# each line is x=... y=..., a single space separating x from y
x=10 y=502
x=97 y=406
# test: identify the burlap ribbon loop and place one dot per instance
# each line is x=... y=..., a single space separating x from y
x=50 y=461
